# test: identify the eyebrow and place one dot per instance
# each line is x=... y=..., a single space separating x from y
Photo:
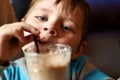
x=43 y=9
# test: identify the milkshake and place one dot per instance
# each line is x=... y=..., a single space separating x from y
x=52 y=63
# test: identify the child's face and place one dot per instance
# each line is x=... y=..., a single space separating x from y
x=55 y=25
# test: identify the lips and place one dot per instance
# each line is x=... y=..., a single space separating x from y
x=43 y=42
x=46 y=40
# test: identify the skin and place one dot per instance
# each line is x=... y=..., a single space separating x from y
x=50 y=24
x=12 y=39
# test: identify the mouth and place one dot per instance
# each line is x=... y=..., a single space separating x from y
x=43 y=42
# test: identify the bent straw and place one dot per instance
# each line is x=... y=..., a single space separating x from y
x=36 y=44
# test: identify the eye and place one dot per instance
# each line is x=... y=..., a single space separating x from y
x=42 y=18
x=66 y=28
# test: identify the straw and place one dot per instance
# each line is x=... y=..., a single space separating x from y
x=36 y=43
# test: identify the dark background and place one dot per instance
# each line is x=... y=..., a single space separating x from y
x=105 y=15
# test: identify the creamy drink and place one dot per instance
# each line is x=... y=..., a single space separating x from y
x=52 y=63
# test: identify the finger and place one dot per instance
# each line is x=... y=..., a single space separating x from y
x=20 y=27
x=27 y=40
x=30 y=28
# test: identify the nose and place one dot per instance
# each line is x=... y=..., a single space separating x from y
x=50 y=31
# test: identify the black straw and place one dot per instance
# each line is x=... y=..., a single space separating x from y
x=36 y=44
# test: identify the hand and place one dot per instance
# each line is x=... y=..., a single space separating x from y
x=12 y=39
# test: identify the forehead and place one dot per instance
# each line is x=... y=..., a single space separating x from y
x=60 y=4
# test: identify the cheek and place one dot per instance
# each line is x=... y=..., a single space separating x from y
x=75 y=45
x=73 y=42
x=32 y=21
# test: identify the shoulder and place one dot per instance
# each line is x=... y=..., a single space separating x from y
x=90 y=72
x=84 y=70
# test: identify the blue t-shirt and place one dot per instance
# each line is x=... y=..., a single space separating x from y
x=80 y=69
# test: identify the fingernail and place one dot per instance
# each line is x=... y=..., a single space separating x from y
x=36 y=31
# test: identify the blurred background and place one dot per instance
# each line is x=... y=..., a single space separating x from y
x=104 y=36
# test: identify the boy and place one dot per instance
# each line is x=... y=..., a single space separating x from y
x=52 y=21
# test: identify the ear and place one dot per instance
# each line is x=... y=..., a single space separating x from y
x=23 y=20
x=80 y=51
